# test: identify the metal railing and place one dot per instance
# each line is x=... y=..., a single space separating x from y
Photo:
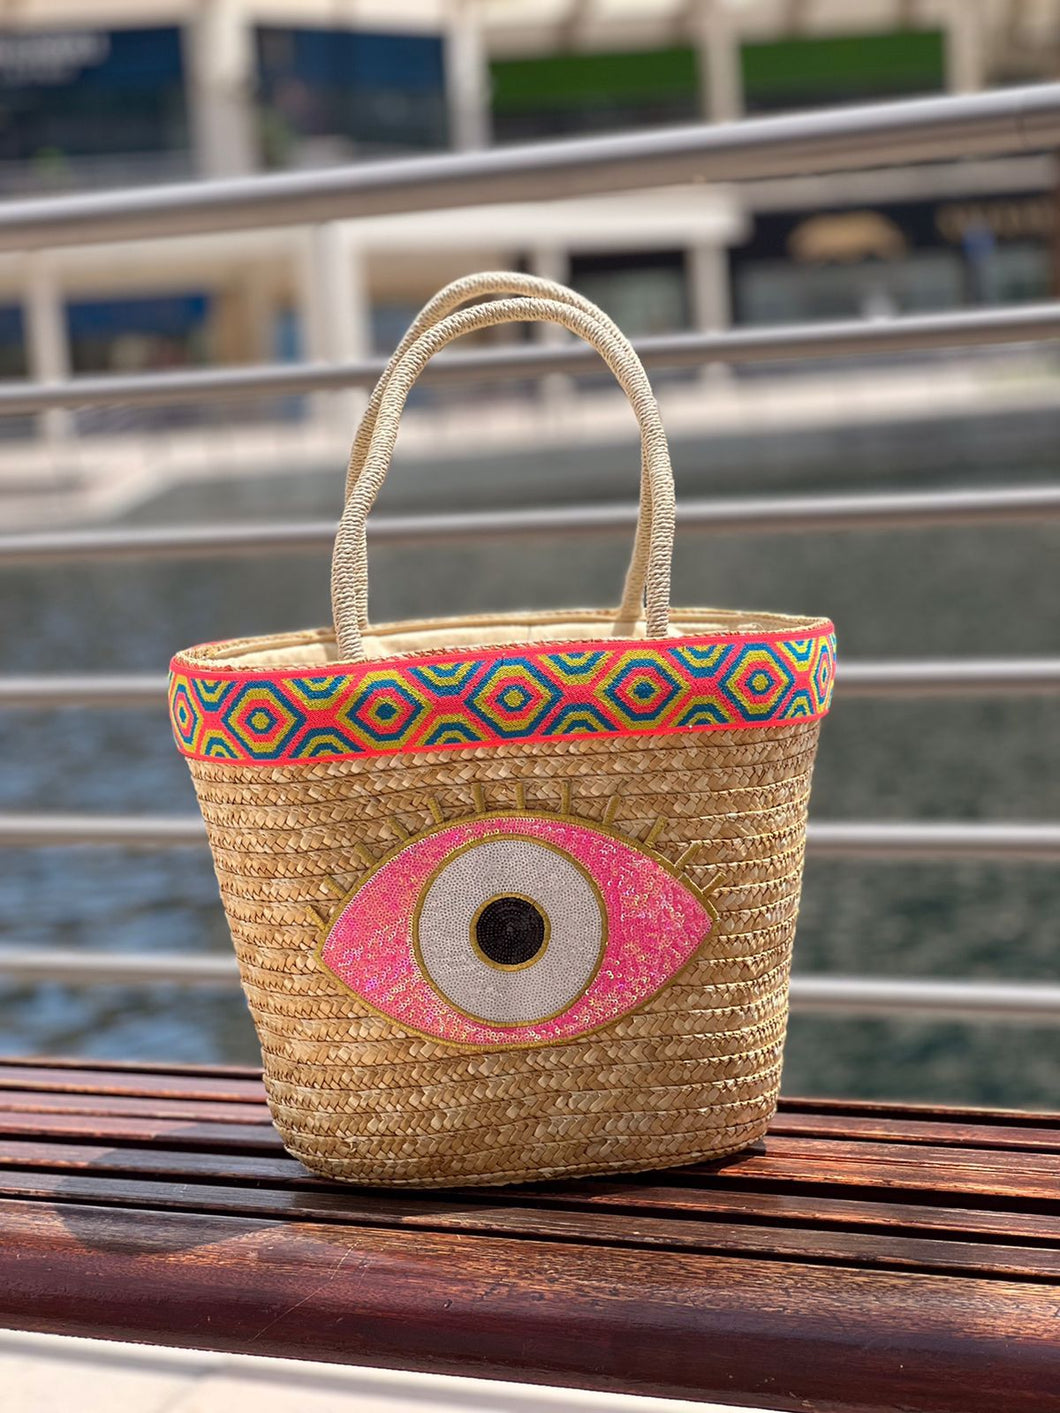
x=922 y=843
x=909 y=333
x=830 y=995
x=1008 y=121
x=898 y=510
x=949 y=678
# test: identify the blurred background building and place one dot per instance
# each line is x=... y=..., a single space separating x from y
x=106 y=93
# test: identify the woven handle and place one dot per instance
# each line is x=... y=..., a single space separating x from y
x=487 y=284
x=654 y=544
x=490 y=284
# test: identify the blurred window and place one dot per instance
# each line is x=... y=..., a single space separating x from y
x=287 y=347
x=390 y=322
x=12 y=343
x=902 y=257
x=778 y=292
x=13 y=364
x=812 y=71
x=555 y=94
x=326 y=95
x=87 y=103
x=1015 y=273
x=134 y=334
x=644 y=292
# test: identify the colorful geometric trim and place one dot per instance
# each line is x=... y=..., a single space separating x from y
x=485 y=697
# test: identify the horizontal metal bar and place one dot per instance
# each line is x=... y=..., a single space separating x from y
x=731 y=515
x=966 y=328
x=122 y=831
x=132 y=689
x=952 y=1000
x=1005 y=120
x=935 y=842
x=926 y=842
x=999 y=677
x=833 y=995
x=79 y=968
x=958 y=678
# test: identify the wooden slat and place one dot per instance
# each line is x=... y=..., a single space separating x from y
x=949 y=1112
x=185 y=1149
x=162 y=1067
x=799 y=1166
x=791 y=1206
x=308 y=1196
x=187 y=1166
x=956 y=1134
x=841 y=1151
x=314 y=1198
x=503 y=1216
x=967 y=1171
x=788 y=1335
x=145 y=1129
x=143 y=1081
x=40 y=1162
x=45 y=1101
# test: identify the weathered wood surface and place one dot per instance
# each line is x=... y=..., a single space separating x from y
x=863 y=1257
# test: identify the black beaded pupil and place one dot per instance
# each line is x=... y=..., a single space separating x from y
x=510 y=931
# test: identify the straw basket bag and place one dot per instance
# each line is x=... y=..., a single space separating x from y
x=513 y=896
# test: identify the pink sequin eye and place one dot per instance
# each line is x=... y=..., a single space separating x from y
x=514 y=928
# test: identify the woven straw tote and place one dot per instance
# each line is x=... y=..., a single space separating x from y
x=512 y=896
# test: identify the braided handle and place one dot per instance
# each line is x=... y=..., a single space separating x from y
x=653 y=550
x=491 y=283
x=487 y=284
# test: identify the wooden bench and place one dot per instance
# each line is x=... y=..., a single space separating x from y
x=864 y=1257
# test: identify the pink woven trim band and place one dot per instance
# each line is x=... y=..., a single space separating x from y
x=484 y=697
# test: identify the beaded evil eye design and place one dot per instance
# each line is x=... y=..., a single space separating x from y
x=515 y=927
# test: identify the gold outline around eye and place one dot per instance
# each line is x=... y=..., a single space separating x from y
x=475 y=844
x=476 y=945
x=480 y=811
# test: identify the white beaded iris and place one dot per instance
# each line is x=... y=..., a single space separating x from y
x=561 y=891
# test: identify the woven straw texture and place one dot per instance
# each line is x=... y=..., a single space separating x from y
x=693 y=1074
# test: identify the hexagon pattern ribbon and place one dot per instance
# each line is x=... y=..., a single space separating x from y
x=488 y=696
